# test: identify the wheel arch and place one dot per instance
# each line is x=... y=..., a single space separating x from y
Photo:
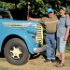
x=8 y=38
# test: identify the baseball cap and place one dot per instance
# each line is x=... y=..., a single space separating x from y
x=49 y=10
x=63 y=8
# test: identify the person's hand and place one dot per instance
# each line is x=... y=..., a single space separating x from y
x=65 y=38
x=29 y=18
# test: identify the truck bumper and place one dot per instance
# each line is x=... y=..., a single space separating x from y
x=39 y=49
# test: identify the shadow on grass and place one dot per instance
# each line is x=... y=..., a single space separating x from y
x=45 y=57
x=1 y=55
x=35 y=56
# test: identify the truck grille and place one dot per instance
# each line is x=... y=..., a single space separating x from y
x=39 y=34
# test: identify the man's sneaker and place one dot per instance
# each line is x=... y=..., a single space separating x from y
x=53 y=60
x=47 y=60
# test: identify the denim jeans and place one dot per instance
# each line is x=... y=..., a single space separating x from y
x=50 y=46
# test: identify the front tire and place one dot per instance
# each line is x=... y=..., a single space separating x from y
x=16 y=51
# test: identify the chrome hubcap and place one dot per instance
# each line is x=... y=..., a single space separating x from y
x=15 y=52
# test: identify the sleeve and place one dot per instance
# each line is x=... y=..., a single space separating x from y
x=67 y=22
x=43 y=20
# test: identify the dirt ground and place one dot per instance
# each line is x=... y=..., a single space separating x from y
x=35 y=64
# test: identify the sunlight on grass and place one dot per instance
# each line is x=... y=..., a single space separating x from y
x=6 y=68
x=67 y=57
x=2 y=59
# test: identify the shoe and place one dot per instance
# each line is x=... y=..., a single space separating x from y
x=53 y=61
x=59 y=62
x=60 y=65
x=47 y=60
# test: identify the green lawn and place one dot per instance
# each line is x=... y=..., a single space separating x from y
x=3 y=68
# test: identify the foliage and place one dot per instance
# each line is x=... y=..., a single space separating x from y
x=37 y=7
x=7 y=5
x=22 y=4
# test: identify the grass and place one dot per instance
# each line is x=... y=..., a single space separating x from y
x=6 y=68
x=2 y=59
x=3 y=68
x=67 y=50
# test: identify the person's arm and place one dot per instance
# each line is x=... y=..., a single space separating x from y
x=67 y=33
x=34 y=19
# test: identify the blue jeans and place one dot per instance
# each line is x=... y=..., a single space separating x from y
x=50 y=46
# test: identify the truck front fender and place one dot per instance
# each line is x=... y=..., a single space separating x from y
x=31 y=43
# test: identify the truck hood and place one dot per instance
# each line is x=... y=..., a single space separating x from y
x=18 y=23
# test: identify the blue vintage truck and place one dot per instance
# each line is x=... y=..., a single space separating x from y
x=18 y=38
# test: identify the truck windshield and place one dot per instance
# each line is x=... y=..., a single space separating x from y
x=4 y=14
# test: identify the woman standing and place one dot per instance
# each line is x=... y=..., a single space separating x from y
x=62 y=34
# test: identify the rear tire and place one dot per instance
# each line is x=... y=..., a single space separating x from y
x=16 y=51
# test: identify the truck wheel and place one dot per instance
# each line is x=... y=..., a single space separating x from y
x=16 y=51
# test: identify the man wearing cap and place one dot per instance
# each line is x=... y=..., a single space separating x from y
x=50 y=23
x=63 y=27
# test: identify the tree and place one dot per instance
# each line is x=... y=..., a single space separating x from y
x=37 y=7
x=7 y=5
